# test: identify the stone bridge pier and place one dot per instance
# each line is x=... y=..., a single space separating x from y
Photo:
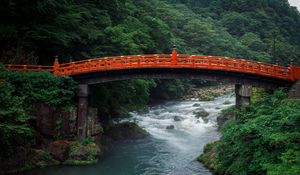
x=243 y=95
x=82 y=113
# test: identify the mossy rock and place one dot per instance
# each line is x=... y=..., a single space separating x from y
x=201 y=113
x=80 y=162
x=43 y=158
x=126 y=131
x=83 y=152
x=209 y=156
x=205 y=97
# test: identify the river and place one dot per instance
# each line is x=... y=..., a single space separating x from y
x=166 y=151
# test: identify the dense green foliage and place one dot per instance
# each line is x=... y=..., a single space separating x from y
x=263 y=139
x=116 y=98
x=19 y=95
x=36 y=31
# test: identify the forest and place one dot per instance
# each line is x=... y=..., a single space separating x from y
x=37 y=31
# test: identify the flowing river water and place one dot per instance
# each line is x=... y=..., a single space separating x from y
x=166 y=151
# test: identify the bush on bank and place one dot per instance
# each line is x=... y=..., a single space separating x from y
x=263 y=139
x=19 y=95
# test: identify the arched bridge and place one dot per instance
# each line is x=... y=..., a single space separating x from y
x=168 y=61
x=216 y=68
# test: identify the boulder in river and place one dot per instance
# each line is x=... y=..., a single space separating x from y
x=196 y=105
x=177 y=118
x=170 y=127
x=126 y=131
x=201 y=113
x=227 y=102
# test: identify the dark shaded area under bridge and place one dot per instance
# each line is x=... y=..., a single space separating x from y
x=182 y=73
x=243 y=82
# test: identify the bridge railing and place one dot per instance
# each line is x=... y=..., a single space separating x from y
x=167 y=61
x=29 y=68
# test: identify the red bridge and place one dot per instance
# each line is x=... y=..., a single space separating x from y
x=243 y=73
x=174 y=61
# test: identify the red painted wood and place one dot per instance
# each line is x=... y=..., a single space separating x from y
x=174 y=60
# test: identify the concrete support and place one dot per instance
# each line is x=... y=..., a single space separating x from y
x=243 y=94
x=83 y=99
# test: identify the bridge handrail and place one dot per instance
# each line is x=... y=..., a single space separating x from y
x=290 y=73
x=29 y=68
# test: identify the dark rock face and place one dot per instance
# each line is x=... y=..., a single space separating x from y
x=59 y=149
x=126 y=131
x=53 y=121
x=294 y=92
x=226 y=115
x=170 y=127
x=93 y=125
x=45 y=120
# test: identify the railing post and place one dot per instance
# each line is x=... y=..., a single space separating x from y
x=56 y=67
x=174 y=56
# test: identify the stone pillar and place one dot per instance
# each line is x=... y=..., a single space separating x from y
x=294 y=92
x=243 y=94
x=83 y=99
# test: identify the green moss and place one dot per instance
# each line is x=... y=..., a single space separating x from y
x=205 y=97
x=80 y=162
x=209 y=156
x=263 y=139
x=83 y=152
x=45 y=155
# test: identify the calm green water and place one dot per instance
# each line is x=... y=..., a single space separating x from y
x=171 y=152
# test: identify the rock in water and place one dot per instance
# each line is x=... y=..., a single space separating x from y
x=126 y=131
x=170 y=127
x=177 y=118
x=201 y=113
x=196 y=105
x=227 y=102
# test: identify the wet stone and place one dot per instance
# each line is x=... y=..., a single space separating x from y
x=170 y=127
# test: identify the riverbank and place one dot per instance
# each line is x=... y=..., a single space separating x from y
x=89 y=151
x=262 y=138
x=73 y=152
x=208 y=93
